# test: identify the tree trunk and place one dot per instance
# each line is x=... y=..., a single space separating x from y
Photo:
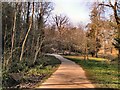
x=23 y=45
x=119 y=38
x=13 y=34
x=37 y=49
x=86 y=48
x=85 y=54
x=96 y=55
x=36 y=54
x=96 y=34
x=28 y=12
x=118 y=25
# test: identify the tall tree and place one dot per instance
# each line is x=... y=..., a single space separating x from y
x=94 y=27
x=45 y=9
x=116 y=10
x=13 y=32
x=60 y=21
x=29 y=28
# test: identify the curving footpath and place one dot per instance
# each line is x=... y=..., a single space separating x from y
x=68 y=75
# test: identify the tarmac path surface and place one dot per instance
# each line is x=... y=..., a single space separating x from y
x=68 y=75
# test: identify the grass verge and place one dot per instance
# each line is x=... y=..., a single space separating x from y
x=30 y=76
x=99 y=72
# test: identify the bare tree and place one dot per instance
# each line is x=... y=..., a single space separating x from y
x=60 y=21
x=13 y=36
x=116 y=9
x=13 y=32
x=30 y=25
x=45 y=9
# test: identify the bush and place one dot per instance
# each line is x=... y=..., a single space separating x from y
x=7 y=80
x=27 y=72
x=17 y=67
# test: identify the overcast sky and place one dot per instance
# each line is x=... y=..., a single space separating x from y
x=77 y=10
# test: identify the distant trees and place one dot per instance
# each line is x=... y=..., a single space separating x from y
x=116 y=9
x=60 y=22
x=101 y=31
x=94 y=29
x=62 y=37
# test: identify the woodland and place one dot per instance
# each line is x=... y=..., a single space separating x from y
x=30 y=31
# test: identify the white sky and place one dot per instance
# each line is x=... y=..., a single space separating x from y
x=77 y=10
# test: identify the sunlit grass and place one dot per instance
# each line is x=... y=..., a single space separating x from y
x=78 y=57
x=100 y=73
x=97 y=59
x=89 y=58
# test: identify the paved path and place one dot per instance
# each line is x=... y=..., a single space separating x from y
x=68 y=75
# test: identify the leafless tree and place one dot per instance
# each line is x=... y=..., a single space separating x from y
x=116 y=9
x=60 y=22
x=29 y=28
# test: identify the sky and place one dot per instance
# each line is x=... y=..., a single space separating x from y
x=78 y=11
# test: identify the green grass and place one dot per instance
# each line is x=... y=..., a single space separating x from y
x=97 y=59
x=48 y=65
x=100 y=73
x=36 y=74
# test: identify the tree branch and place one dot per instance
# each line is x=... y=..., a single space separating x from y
x=105 y=5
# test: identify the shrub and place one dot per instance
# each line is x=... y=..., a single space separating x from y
x=17 y=67
x=7 y=80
